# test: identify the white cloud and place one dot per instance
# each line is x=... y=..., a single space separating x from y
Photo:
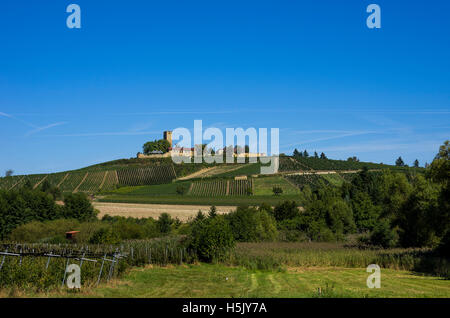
x=39 y=129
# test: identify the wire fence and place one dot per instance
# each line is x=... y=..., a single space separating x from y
x=43 y=265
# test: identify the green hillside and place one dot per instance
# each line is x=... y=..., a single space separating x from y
x=107 y=176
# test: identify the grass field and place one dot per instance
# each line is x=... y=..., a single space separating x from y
x=264 y=186
x=334 y=179
x=153 y=190
x=186 y=199
x=205 y=280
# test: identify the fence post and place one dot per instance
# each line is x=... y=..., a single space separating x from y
x=3 y=260
x=20 y=260
x=48 y=261
x=65 y=272
x=82 y=258
x=111 y=268
x=101 y=269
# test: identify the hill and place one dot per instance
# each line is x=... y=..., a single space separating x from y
x=107 y=176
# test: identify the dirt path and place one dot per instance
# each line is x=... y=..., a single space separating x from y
x=301 y=173
x=196 y=174
x=183 y=212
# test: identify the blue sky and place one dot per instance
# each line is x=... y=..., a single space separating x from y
x=71 y=98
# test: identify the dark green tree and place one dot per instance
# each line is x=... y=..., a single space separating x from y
x=286 y=210
x=164 y=223
x=156 y=145
x=212 y=238
x=212 y=212
x=250 y=224
x=277 y=190
x=399 y=162
x=77 y=206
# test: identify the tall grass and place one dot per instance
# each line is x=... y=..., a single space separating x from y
x=31 y=271
x=269 y=256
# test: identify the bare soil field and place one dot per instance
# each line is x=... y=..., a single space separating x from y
x=182 y=212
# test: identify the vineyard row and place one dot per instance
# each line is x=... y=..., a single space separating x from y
x=221 y=188
x=93 y=181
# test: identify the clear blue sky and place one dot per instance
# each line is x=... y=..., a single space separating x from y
x=71 y=98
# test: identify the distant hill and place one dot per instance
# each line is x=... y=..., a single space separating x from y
x=135 y=172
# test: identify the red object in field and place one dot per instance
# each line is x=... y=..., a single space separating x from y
x=71 y=234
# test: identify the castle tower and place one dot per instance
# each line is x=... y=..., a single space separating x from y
x=168 y=136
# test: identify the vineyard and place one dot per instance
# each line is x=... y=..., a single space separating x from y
x=312 y=180
x=145 y=176
x=329 y=164
x=221 y=188
x=92 y=181
x=290 y=164
x=42 y=266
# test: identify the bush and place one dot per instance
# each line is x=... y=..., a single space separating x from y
x=212 y=238
x=383 y=235
x=252 y=225
x=165 y=222
x=444 y=246
x=23 y=206
x=104 y=236
x=277 y=190
x=43 y=231
x=286 y=210
x=127 y=230
x=78 y=206
x=181 y=190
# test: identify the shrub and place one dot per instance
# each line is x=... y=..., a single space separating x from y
x=127 y=230
x=78 y=206
x=383 y=235
x=252 y=225
x=165 y=223
x=212 y=238
x=286 y=210
x=43 y=231
x=181 y=189
x=277 y=190
x=444 y=246
x=104 y=236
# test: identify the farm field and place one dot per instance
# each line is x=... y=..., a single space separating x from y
x=264 y=186
x=193 y=200
x=182 y=212
x=93 y=180
x=208 y=281
x=212 y=171
x=219 y=187
x=153 y=190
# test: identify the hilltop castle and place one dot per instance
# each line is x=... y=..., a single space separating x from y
x=189 y=152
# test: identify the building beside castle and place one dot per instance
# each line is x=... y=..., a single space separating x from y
x=187 y=151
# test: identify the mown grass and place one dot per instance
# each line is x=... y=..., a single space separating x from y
x=206 y=280
x=273 y=270
x=152 y=190
x=264 y=186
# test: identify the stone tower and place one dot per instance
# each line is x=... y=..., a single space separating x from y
x=168 y=137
